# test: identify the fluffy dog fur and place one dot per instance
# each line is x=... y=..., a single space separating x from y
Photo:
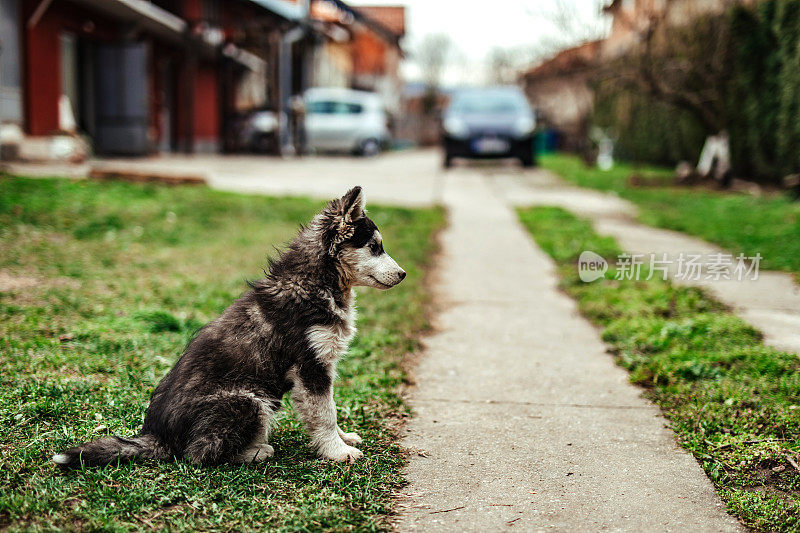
x=285 y=334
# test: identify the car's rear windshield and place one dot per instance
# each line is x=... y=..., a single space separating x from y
x=489 y=102
x=332 y=107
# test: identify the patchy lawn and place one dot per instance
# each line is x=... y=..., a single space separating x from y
x=101 y=285
x=733 y=402
x=740 y=223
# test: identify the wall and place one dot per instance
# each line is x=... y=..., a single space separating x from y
x=206 y=107
x=333 y=65
x=42 y=72
x=10 y=61
x=564 y=102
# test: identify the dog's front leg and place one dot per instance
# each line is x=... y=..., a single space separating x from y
x=314 y=404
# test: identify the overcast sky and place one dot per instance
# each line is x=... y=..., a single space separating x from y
x=476 y=27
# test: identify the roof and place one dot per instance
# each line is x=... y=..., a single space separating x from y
x=288 y=10
x=374 y=25
x=392 y=18
x=569 y=60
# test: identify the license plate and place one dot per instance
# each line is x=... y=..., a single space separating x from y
x=490 y=145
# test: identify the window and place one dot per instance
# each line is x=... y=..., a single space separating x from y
x=332 y=107
x=354 y=109
x=489 y=101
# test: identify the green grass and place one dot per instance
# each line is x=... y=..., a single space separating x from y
x=101 y=285
x=741 y=223
x=733 y=402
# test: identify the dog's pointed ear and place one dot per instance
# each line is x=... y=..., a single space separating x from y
x=353 y=204
x=337 y=219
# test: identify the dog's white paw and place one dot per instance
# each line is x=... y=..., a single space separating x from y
x=352 y=439
x=256 y=454
x=265 y=451
x=344 y=453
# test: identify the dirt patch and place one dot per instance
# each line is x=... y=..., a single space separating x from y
x=432 y=307
x=134 y=176
x=11 y=283
x=30 y=291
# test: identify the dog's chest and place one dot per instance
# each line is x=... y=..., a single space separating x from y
x=330 y=342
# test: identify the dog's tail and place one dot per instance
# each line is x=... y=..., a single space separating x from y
x=110 y=449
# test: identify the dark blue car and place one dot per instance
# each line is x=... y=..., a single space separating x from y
x=489 y=123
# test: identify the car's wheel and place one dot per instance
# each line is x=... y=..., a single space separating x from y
x=527 y=160
x=448 y=160
x=370 y=148
x=264 y=143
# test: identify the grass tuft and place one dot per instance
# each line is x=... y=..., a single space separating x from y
x=159 y=321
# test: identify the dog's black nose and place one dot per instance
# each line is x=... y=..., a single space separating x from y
x=402 y=275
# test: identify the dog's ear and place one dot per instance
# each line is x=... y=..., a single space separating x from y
x=353 y=204
x=339 y=217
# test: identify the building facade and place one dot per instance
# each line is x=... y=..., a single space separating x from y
x=361 y=48
x=560 y=92
x=136 y=76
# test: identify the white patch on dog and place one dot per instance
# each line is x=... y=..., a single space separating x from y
x=60 y=459
x=330 y=342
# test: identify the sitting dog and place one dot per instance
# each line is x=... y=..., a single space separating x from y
x=285 y=334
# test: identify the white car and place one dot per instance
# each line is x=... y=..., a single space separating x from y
x=344 y=120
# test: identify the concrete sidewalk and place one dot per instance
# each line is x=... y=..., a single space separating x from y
x=771 y=303
x=522 y=420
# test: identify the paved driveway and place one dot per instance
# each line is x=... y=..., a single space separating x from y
x=401 y=178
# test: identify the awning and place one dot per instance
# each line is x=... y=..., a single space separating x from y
x=147 y=15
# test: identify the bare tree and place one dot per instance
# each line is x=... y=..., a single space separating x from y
x=501 y=67
x=681 y=58
x=572 y=23
x=685 y=66
x=432 y=56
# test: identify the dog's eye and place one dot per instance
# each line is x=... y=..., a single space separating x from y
x=376 y=247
